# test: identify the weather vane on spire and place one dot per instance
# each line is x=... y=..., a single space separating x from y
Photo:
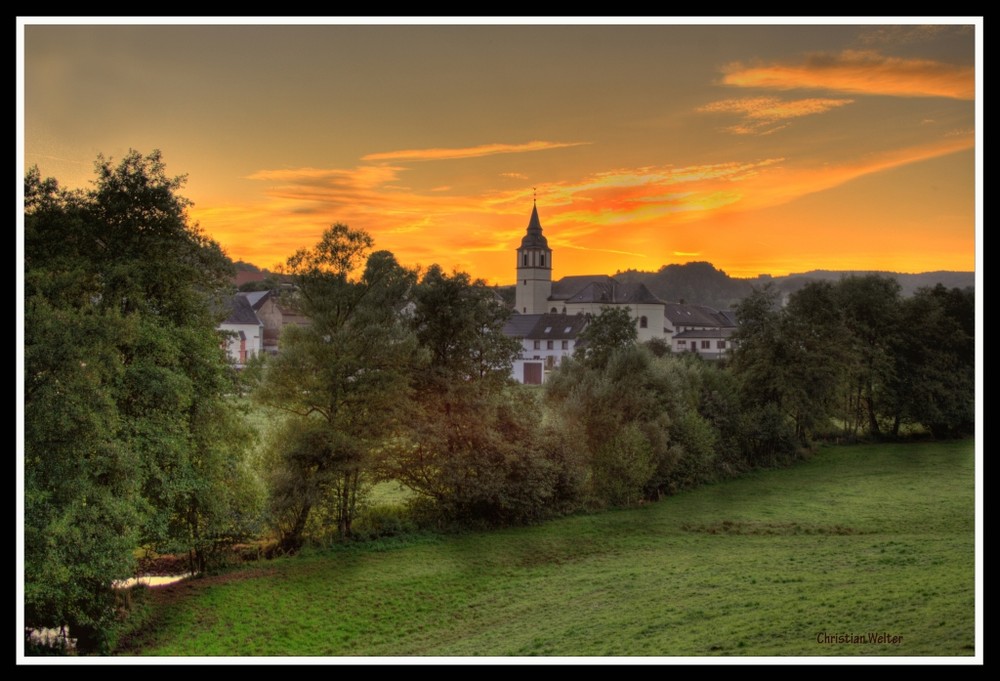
x=534 y=195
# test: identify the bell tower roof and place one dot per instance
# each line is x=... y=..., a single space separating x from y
x=533 y=237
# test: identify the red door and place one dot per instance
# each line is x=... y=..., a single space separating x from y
x=532 y=373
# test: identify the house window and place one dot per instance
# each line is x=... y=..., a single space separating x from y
x=565 y=345
x=682 y=342
x=548 y=345
x=643 y=322
x=538 y=345
x=541 y=260
x=550 y=362
x=525 y=259
x=721 y=345
x=554 y=311
x=705 y=345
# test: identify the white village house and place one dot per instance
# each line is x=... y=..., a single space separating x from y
x=254 y=323
x=700 y=329
x=549 y=316
x=243 y=330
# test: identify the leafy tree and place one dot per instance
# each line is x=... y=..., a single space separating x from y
x=932 y=382
x=460 y=323
x=128 y=434
x=793 y=359
x=763 y=363
x=493 y=461
x=609 y=331
x=343 y=380
x=477 y=448
x=632 y=397
x=871 y=308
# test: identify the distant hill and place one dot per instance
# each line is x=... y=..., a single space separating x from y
x=909 y=283
x=702 y=284
x=698 y=283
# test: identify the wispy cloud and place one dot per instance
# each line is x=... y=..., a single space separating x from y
x=467 y=152
x=514 y=176
x=361 y=176
x=861 y=71
x=622 y=210
x=762 y=115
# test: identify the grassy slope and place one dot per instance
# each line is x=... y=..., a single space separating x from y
x=868 y=538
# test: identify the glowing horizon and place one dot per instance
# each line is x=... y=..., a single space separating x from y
x=760 y=149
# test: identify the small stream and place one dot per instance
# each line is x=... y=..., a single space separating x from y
x=152 y=580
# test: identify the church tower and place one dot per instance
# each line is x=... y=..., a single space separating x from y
x=534 y=269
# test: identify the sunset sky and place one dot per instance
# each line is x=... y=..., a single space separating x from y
x=759 y=148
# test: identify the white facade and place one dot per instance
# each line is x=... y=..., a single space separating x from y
x=648 y=317
x=706 y=343
x=243 y=342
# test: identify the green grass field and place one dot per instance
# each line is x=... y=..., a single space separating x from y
x=859 y=539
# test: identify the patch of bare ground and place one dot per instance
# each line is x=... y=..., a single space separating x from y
x=761 y=528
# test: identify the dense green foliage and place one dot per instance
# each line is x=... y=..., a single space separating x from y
x=612 y=330
x=477 y=450
x=343 y=380
x=858 y=353
x=874 y=538
x=129 y=439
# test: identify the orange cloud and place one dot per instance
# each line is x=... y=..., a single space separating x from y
x=466 y=152
x=643 y=214
x=762 y=113
x=859 y=71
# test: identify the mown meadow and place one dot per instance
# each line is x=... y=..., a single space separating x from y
x=859 y=540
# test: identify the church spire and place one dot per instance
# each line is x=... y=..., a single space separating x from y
x=534 y=268
x=533 y=237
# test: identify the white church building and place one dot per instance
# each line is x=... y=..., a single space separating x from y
x=549 y=316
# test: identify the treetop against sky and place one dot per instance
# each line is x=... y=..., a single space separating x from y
x=759 y=148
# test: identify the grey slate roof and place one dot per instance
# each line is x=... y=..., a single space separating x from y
x=729 y=316
x=681 y=314
x=545 y=326
x=534 y=238
x=567 y=287
x=558 y=326
x=520 y=325
x=241 y=311
x=707 y=333
x=611 y=291
x=257 y=298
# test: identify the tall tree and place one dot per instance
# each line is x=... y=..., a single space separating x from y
x=611 y=330
x=871 y=308
x=460 y=322
x=343 y=379
x=476 y=448
x=932 y=382
x=124 y=389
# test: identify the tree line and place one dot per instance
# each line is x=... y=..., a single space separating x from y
x=138 y=433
